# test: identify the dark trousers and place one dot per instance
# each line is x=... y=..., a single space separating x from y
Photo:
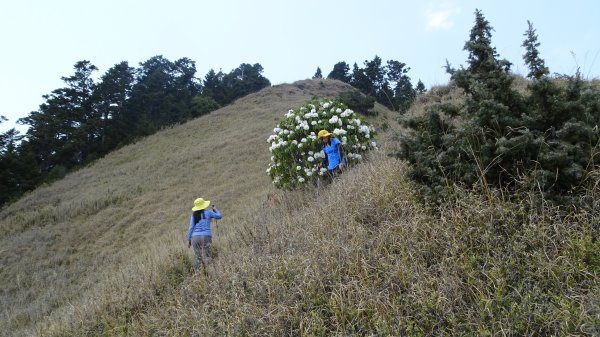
x=331 y=174
x=201 y=244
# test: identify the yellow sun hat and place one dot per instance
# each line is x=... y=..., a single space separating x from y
x=323 y=133
x=200 y=204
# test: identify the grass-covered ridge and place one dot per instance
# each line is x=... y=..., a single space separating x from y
x=68 y=240
x=364 y=258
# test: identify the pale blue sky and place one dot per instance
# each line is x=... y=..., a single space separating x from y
x=41 y=40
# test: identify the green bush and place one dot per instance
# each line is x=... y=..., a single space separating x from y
x=203 y=104
x=358 y=102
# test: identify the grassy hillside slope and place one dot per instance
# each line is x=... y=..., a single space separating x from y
x=65 y=242
x=363 y=258
x=366 y=259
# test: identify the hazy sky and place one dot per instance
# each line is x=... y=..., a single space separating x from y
x=41 y=40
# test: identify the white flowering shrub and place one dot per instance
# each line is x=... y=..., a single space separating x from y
x=296 y=151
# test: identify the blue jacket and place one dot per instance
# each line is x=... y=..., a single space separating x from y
x=203 y=226
x=333 y=154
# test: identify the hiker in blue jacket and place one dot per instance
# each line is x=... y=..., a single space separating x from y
x=199 y=234
x=335 y=159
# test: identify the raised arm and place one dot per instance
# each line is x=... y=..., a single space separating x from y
x=215 y=214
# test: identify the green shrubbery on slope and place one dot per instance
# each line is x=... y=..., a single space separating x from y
x=545 y=137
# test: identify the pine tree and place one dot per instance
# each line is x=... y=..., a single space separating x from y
x=537 y=67
x=483 y=148
x=112 y=95
x=403 y=92
x=225 y=88
x=375 y=72
x=340 y=72
x=213 y=86
x=243 y=80
x=18 y=168
x=420 y=88
x=360 y=81
x=318 y=74
x=63 y=128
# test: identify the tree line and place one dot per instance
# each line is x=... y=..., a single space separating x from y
x=388 y=84
x=86 y=119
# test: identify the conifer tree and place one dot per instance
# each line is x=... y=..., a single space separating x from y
x=403 y=92
x=63 y=128
x=18 y=168
x=111 y=97
x=482 y=56
x=361 y=81
x=341 y=72
x=537 y=67
x=318 y=74
x=492 y=135
x=484 y=65
x=420 y=88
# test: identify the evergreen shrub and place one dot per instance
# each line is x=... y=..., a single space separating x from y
x=545 y=137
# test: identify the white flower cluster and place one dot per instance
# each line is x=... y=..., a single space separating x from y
x=297 y=152
x=336 y=120
x=365 y=130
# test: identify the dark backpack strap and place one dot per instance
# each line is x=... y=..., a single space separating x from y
x=194 y=226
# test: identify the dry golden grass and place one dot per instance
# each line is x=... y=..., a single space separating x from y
x=362 y=258
x=128 y=212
